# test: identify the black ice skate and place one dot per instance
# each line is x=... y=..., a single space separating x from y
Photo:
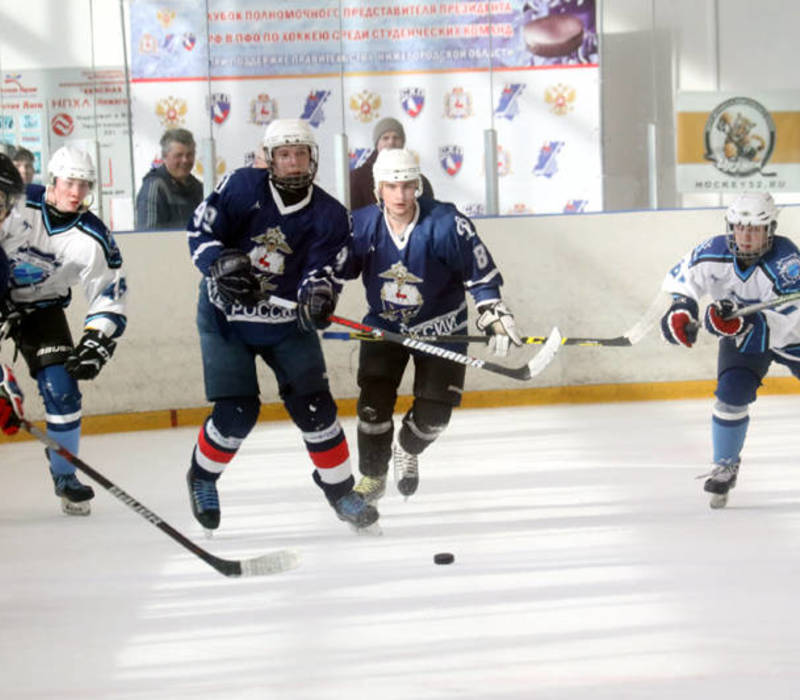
x=205 y=501
x=75 y=496
x=406 y=471
x=721 y=480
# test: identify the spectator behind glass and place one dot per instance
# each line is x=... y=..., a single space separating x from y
x=23 y=160
x=388 y=133
x=170 y=192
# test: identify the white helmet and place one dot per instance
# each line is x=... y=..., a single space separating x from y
x=71 y=162
x=396 y=165
x=751 y=209
x=291 y=132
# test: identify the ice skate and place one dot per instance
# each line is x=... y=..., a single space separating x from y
x=721 y=480
x=371 y=488
x=205 y=502
x=75 y=496
x=406 y=471
x=362 y=517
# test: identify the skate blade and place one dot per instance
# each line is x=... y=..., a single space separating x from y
x=718 y=500
x=373 y=530
x=209 y=534
x=81 y=508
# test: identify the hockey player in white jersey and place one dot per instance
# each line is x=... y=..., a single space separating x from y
x=746 y=265
x=416 y=257
x=54 y=243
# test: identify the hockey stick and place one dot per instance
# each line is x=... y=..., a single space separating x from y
x=783 y=299
x=272 y=563
x=620 y=341
x=536 y=364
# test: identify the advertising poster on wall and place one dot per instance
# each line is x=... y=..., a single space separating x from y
x=46 y=109
x=447 y=71
x=735 y=142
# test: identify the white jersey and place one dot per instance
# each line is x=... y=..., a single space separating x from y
x=47 y=259
x=711 y=270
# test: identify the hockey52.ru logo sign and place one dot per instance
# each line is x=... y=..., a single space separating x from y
x=739 y=137
x=451 y=158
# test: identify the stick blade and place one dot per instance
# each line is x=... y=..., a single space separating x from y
x=272 y=563
x=545 y=356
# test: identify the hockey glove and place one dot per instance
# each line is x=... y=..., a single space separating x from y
x=497 y=321
x=236 y=282
x=94 y=350
x=679 y=324
x=10 y=401
x=717 y=323
x=316 y=301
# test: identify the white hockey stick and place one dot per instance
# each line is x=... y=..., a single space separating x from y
x=753 y=308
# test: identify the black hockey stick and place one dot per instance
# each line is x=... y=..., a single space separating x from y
x=537 y=363
x=619 y=341
x=272 y=563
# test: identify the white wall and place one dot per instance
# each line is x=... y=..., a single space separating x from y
x=592 y=275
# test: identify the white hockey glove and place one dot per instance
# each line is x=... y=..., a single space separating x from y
x=497 y=321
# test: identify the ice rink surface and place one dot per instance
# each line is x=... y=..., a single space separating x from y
x=588 y=565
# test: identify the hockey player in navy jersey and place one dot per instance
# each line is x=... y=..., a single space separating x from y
x=747 y=265
x=54 y=243
x=416 y=257
x=261 y=232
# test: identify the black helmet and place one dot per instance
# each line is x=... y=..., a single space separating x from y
x=10 y=181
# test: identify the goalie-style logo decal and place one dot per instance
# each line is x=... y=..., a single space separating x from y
x=269 y=255
x=400 y=298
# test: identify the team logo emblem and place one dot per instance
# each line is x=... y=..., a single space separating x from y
x=575 y=206
x=189 y=41
x=312 y=111
x=458 y=104
x=219 y=106
x=739 y=137
x=503 y=162
x=400 y=299
x=451 y=158
x=263 y=109
x=412 y=100
x=365 y=106
x=269 y=255
x=547 y=165
x=13 y=79
x=171 y=111
x=169 y=44
x=62 y=124
x=561 y=97
x=359 y=156
x=508 y=106
x=148 y=44
x=165 y=17
x=32 y=266
x=789 y=268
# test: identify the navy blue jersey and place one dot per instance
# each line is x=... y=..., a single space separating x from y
x=287 y=245
x=416 y=283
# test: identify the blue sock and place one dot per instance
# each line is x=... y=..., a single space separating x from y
x=728 y=437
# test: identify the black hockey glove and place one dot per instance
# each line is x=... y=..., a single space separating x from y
x=11 y=411
x=10 y=316
x=94 y=350
x=316 y=301
x=236 y=282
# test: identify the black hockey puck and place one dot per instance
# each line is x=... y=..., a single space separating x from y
x=443 y=558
